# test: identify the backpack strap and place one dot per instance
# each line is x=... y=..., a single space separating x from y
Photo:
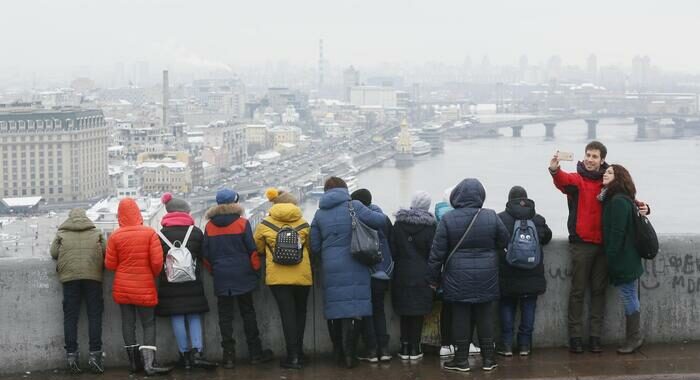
x=469 y=228
x=301 y=227
x=272 y=226
x=187 y=237
x=169 y=244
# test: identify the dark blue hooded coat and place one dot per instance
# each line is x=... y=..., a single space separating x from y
x=471 y=275
x=346 y=282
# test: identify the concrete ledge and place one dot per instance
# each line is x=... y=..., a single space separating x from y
x=31 y=318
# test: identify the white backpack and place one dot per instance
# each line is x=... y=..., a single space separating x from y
x=179 y=264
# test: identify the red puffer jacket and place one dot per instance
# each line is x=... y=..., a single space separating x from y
x=585 y=210
x=135 y=253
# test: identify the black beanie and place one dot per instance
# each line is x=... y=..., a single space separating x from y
x=517 y=192
x=362 y=195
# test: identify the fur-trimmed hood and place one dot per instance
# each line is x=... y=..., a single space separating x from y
x=415 y=216
x=224 y=214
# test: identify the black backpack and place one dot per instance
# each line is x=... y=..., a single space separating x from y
x=289 y=249
x=645 y=240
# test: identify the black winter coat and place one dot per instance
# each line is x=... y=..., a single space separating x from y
x=412 y=238
x=184 y=297
x=516 y=282
x=471 y=275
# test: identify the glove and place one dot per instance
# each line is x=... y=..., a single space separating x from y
x=255 y=261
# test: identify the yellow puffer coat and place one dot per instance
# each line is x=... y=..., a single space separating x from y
x=265 y=237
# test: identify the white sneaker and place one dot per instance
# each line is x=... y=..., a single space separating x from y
x=474 y=350
x=447 y=350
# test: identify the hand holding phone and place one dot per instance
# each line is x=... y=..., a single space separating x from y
x=565 y=156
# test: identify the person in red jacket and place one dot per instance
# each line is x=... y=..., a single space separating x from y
x=134 y=252
x=589 y=267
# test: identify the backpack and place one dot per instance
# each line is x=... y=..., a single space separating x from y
x=179 y=264
x=524 y=250
x=289 y=249
x=645 y=240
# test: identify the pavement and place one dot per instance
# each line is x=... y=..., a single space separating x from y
x=659 y=362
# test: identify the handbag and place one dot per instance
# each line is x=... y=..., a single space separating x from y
x=364 y=243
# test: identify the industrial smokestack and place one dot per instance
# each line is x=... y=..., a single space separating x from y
x=166 y=97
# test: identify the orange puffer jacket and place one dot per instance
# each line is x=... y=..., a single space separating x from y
x=135 y=253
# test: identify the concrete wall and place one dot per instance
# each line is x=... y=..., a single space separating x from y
x=31 y=327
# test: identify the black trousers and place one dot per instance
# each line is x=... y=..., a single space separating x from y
x=374 y=331
x=292 y=300
x=446 y=324
x=148 y=323
x=74 y=292
x=250 y=323
x=466 y=316
x=411 y=328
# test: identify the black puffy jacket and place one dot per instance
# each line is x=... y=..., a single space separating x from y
x=517 y=282
x=471 y=274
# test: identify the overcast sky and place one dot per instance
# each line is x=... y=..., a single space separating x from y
x=38 y=33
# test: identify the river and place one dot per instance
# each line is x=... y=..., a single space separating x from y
x=666 y=172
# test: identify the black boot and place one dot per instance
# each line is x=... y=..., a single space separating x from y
x=135 y=364
x=292 y=361
x=416 y=352
x=148 y=354
x=488 y=354
x=405 y=353
x=95 y=362
x=350 y=335
x=460 y=361
x=303 y=359
x=576 y=345
x=594 y=345
x=186 y=360
x=228 y=360
x=200 y=361
x=73 y=362
x=633 y=337
x=262 y=356
x=335 y=333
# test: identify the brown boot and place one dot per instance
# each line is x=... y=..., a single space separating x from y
x=633 y=338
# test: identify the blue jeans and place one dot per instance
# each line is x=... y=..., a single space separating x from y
x=630 y=299
x=509 y=305
x=194 y=321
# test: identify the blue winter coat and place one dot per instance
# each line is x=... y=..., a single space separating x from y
x=385 y=269
x=471 y=275
x=230 y=250
x=346 y=282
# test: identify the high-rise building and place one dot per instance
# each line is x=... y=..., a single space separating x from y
x=60 y=155
x=351 y=78
x=592 y=68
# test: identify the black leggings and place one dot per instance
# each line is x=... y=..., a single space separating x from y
x=465 y=316
x=411 y=328
x=291 y=300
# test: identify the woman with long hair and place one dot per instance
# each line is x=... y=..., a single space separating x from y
x=624 y=262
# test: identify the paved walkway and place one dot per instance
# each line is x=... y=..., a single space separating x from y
x=681 y=361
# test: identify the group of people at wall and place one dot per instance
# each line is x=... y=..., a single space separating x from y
x=477 y=286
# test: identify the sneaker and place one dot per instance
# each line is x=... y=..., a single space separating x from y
x=504 y=350
x=594 y=345
x=454 y=365
x=489 y=364
x=474 y=350
x=524 y=349
x=384 y=354
x=405 y=353
x=447 y=350
x=369 y=356
x=416 y=352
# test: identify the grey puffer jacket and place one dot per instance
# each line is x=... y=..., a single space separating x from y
x=471 y=274
x=79 y=248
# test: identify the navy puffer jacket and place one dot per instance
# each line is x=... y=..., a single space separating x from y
x=471 y=275
x=346 y=282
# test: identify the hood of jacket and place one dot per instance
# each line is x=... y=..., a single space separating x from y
x=286 y=212
x=77 y=221
x=224 y=214
x=521 y=208
x=129 y=213
x=469 y=193
x=334 y=197
x=415 y=216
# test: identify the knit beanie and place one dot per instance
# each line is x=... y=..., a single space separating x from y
x=362 y=195
x=421 y=201
x=280 y=196
x=517 y=192
x=225 y=196
x=174 y=204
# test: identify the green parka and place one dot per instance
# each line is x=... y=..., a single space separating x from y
x=624 y=263
x=79 y=248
